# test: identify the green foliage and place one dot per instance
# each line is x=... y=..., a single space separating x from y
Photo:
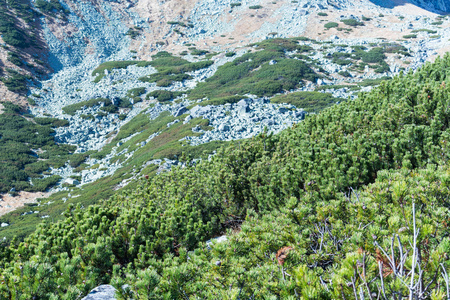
x=309 y=101
x=16 y=82
x=424 y=30
x=410 y=36
x=135 y=93
x=18 y=138
x=322 y=14
x=171 y=68
x=50 y=7
x=255 y=7
x=161 y=95
x=352 y=22
x=345 y=73
x=54 y=122
x=134 y=32
x=230 y=54
x=374 y=55
x=331 y=25
x=255 y=72
x=73 y=108
x=99 y=72
x=12 y=34
x=15 y=59
x=198 y=52
x=320 y=210
x=235 y=4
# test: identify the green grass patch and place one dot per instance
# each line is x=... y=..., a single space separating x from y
x=73 y=108
x=263 y=73
x=312 y=102
x=171 y=68
x=99 y=72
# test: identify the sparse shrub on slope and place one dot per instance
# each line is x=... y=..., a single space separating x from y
x=262 y=73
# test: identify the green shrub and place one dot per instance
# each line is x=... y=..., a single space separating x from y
x=322 y=14
x=255 y=7
x=252 y=73
x=16 y=82
x=352 y=22
x=309 y=101
x=15 y=59
x=371 y=173
x=374 y=55
x=161 y=95
x=424 y=30
x=136 y=92
x=42 y=185
x=345 y=73
x=198 y=52
x=410 y=36
x=99 y=72
x=331 y=25
x=171 y=68
x=73 y=108
x=235 y=4
x=54 y=122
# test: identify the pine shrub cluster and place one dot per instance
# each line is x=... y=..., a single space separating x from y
x=350 y=203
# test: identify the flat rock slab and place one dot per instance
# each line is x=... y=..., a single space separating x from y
x=102 y=292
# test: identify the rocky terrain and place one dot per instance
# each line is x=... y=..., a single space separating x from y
x=96 y=32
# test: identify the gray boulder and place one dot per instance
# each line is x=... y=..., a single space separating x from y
x=102 y=292
x=198 y=111
x=180 y=111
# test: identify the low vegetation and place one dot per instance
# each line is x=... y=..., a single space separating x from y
x=21 y=160
x=99 y=72
x=263 y=73
x=352 y=22
x=351 y=201
x=312 y=102
x=331 y=25
x=171 y=68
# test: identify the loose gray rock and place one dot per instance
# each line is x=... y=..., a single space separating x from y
x=224 y=127
x=198 y=111
x=180 y=111
x=102 y=292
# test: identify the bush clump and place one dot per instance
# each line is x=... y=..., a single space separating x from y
x=352 y=22
x=310 y=101
x=331 y=25
x=354 y=196
x=161 y=95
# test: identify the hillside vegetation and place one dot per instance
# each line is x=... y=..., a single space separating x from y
x=351 y=203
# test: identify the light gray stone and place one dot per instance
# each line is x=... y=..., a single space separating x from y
x=102 y=292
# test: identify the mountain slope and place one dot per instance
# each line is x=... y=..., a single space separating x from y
x=304 y=181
